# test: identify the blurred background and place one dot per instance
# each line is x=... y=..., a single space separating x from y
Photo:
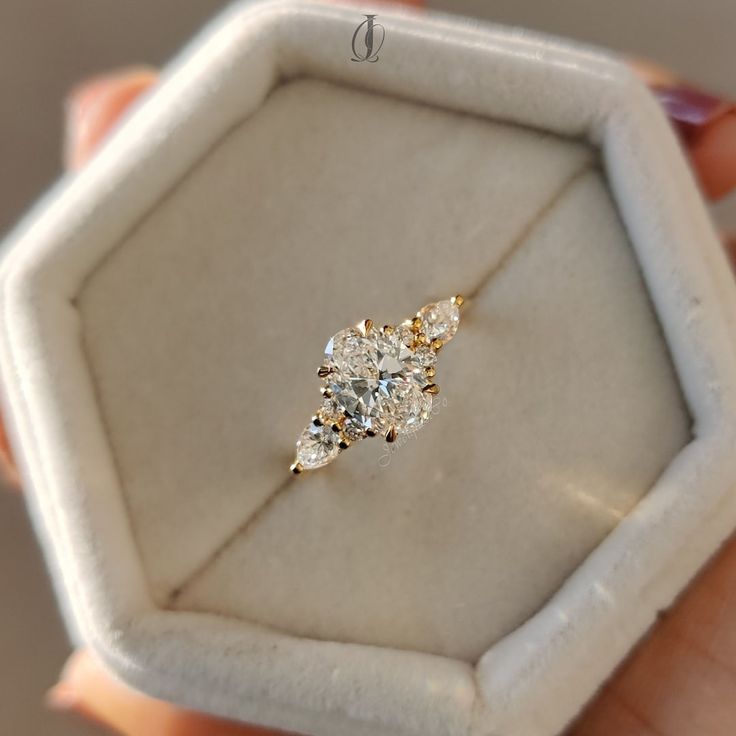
x=47 y=46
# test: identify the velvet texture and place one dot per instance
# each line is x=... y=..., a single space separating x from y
x=165 y=312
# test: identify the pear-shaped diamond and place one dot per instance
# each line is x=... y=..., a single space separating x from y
x=317 y=445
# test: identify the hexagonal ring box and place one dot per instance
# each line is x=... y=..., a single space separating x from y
x=165 y=311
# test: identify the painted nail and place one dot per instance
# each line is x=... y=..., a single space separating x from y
x=689 y=108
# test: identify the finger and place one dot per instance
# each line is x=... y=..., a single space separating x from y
x=706 y=123
x=88 y=690
x=95 y=106
x=8 y=468
x=729 y=241
x=682 y=680
x=713 y=153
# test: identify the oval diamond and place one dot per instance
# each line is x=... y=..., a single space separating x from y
x=377 y=380
x=347 y=354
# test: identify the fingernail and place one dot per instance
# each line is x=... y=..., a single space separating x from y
x=689 y=108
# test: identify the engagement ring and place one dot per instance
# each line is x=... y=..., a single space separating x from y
x=377 y=382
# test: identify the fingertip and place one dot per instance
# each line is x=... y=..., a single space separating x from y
x=705 y=122
x=62 y=698
x=93 y=107
x=713 y=152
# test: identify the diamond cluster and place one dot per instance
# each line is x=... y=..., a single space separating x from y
x=377 y=382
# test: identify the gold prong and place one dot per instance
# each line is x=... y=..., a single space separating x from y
x=324 y=371
x=296 y=468
x=436 y=344
x=391 y=435
x=326 y=392
x=458 y=300
x=365 y=326
x=317 y=420
x=421 y=339
x=431 y=388
x=336 y=426
x=416 y=325
x=430 y=372
x=387 y=329
x=344 y=443
x=370 y=432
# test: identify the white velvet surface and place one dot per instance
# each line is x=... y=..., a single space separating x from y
x=545 y=441
x=455 y=543
x=120 y=554
x=284 y=233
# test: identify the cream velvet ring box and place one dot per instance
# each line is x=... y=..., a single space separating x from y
x=164 y=313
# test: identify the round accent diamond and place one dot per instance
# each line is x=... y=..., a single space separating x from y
x=416 y=408
x=330 y=412
x=406 y=334
x=317 y=446
x=440 y=321
x=426 y=357
x=353 y=431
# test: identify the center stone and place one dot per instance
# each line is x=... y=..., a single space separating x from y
x=377 y=380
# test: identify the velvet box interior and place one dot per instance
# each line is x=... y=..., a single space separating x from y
x=165 y=313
